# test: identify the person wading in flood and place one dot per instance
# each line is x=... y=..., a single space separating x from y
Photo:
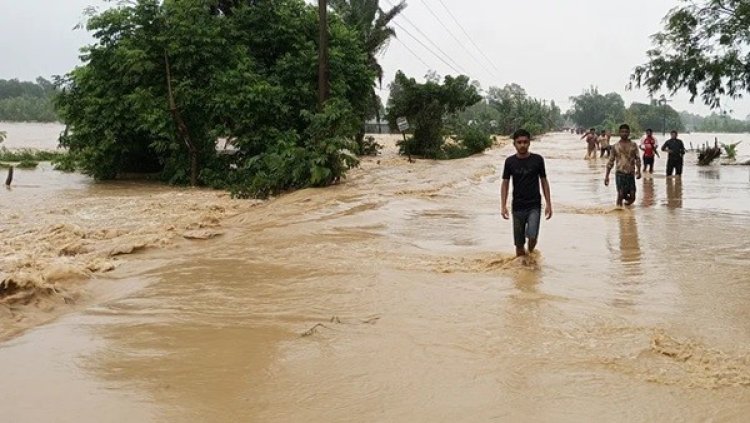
x=676 y=150
x=604 y=143
x=591 y=142
x=625 y=153
x=528 y=172
x=649 y=147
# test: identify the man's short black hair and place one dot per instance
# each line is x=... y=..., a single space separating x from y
x=521 y=133
x=625 y=126
x=649 y=130
x=673 y=132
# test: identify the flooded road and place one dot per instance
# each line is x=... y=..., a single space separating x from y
x=394 y=297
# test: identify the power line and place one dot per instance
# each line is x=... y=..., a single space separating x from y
x=403 y=16
x=468 y=36
x=413 y=53
x=447 y=28
x=427 y=48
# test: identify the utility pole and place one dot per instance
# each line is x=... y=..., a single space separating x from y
x=323 y=71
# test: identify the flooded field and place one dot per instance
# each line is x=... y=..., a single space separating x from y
x=391 y=297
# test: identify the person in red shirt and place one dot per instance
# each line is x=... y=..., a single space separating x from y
x=649 y=145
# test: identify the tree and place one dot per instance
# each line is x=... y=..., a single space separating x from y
x=656 y=116
x=592 y=109
x=703 y=48
x=371 y=23
x=27 y=101
x=425 y=105
x=720 y=122
x=233 y=75
x=507 y=101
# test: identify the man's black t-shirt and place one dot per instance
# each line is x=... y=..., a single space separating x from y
x=526 y=173
x=676 y=148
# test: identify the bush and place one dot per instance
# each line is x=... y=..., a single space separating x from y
x=370 y=147
x=29 y=154
x=475 y=140
x=425 y=105
x=27 y=164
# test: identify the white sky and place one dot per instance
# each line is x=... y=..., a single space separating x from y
x=552 y=48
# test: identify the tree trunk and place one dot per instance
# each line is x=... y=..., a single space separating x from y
x=182 y=129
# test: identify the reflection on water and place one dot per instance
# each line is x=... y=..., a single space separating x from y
x=710 y=173
x=630 y=247
x=648 y=192
x=674 y=193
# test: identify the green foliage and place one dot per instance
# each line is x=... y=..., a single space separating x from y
x=731 y=150
x=425 y=105
x=722 y=123
x=481 y=115
x=28 y=154
x=370 y=147
x=653 y=116
x=594 y=110
x=370 y=23
x=27 y=164
x=475 y=140
x=703 y=49
x=27 y=101
x=65 y=163
x=3 y=135
x=515 y=109
x=247 y=74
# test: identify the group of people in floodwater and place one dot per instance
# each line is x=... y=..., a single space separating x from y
x=528 y=172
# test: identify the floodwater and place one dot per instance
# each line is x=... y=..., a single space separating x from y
x=393 y=297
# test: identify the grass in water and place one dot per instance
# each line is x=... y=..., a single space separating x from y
x=29 y=155
x=27 y=164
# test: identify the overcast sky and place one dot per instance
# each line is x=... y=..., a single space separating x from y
x=552 y=48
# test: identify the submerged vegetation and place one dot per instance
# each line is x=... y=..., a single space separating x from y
x=29 y=154
x=175 y=76
x=452 y=120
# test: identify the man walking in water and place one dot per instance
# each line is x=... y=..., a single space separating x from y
x=603 y=143
x=649 y=147
x=625 y=153
x=591 y=142
x=676 y=150
x=528 y=172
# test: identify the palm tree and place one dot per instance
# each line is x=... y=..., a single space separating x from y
x=371 y=22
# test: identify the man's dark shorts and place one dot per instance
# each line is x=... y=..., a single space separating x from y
x=526 y=225
x=648 y=161
x=625 y=182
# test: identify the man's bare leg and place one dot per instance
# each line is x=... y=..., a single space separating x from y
x=520 y=251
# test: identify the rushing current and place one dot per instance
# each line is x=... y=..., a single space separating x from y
x=391 y=297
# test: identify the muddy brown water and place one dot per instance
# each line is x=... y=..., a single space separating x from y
x=394 y=297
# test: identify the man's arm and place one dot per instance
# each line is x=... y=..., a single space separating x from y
x=547 y=198
x=637 y=163
x=681 y=148
x=504 y=198
x=610 y=164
